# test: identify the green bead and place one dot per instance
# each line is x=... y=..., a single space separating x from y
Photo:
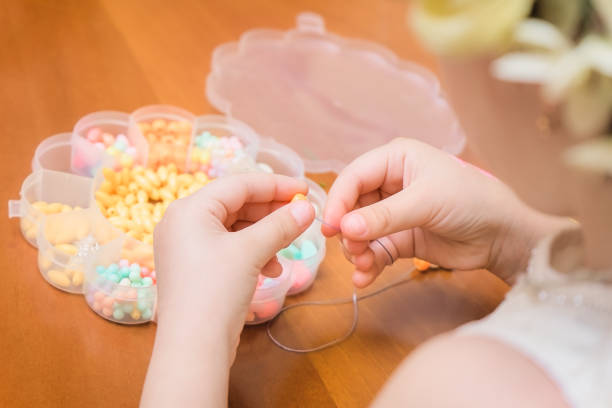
x=127 y=307
x=147 y=314
x=118 y=314
x=308 y=249
x=135 y=275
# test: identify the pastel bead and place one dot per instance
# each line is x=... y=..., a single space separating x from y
x=108 y=301
x=134 y=276
x=99 y=296
x=67 y=248
x=112 y=268
x=100 y=270
x=135 y=314
x=147 y=281
x=298 y=197
x=127 y=307
x=118 y=314
x=107 y=311
x=77 y=278
x=59 y=278
x=307 y=249
x=44 y=262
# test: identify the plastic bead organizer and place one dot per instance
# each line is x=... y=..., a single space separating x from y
x=83 y=249
x=329 y=98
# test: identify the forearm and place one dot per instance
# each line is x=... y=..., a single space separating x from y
x=189 y=367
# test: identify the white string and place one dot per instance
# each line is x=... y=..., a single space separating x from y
x=354 y=299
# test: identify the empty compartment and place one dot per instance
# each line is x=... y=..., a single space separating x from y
x=53 y=153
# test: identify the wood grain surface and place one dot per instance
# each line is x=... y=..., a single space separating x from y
x=60 y=60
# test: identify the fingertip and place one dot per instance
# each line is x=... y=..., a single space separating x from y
x=353 y=225
x=364 y=261
x=362 y=279
x=303 y=212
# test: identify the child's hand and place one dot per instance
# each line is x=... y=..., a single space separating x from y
x=421 y=202
x=211 y=246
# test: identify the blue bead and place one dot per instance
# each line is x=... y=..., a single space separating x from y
x=142 y=305
x=112 y=268
x=308 y=249
x=100 y=269
x=135 y=267
x=146 y=281
x=124 y=272
x=127 y=307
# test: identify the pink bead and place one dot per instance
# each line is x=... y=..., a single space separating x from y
x=107 y=312
x=108 y=301
x=153 y=274
x=266 y=310
x=131 y=151
x=301 y=275
x=100 y=145
x=108 y=139
x=97 y=306
x=121 y=137
x=131 y=294
x=144 y=271
x=124 y=263
x=78 y=161
x=99 y=296
x=93 y=134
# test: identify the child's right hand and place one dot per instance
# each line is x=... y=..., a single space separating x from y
x=422 y=202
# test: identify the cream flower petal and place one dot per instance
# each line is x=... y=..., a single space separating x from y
x=598 y=52
x=540 y=34
x=523 y=67
x=587 y=110
x=569 y=70
x=593 y=155
x=604 y=10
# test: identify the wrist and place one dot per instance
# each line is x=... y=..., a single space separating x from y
x=521 y=235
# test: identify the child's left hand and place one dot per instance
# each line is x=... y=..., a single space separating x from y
x=211 y=246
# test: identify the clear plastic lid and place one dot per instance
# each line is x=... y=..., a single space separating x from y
x=327 y=97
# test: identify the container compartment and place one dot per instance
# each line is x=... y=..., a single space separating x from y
x=221 y=146
x=65 y=241
x=120 y=282
x=54 y=153
x=269 y=297
x=167 y=132
x=46 y=192
x=101 y=139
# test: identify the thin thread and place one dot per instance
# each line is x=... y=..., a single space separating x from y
x=354 y=299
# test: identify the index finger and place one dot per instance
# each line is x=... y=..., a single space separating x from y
x=365 y=174
x=228 y=195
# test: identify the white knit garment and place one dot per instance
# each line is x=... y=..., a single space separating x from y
x=562 y=321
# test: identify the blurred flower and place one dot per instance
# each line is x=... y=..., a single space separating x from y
x=579 y=79
x=593 y=155
x=459 y=27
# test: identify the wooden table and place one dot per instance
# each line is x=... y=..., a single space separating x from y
x=62 y=60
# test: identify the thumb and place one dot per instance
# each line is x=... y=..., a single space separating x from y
x=406 y=209
x=277 y=230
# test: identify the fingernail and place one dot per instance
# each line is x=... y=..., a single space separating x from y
x=301 y=212
x=355 y=224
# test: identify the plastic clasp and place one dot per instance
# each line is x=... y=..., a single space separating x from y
x=310 y=22
x=15 y=209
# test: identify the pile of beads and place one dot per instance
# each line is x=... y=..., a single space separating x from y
x=262 y=310
x=303 y=265
x=211 y=154
x=29 y=222
x=168 y=141
x=117 y=146
x=134 y=200
x=71 y=275
x=123 y=292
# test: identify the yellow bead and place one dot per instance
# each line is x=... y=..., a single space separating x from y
x=59 y=278
x=298 y=197
x=77 y=278
x=135 y=314
x=67 y=248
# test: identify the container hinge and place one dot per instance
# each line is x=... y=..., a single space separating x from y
x=15 y=209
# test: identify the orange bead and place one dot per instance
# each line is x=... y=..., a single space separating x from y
x=420 y=264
